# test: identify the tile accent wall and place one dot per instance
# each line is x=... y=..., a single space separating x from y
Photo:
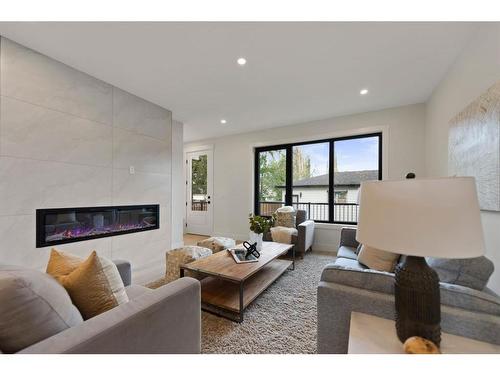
x=67 y=140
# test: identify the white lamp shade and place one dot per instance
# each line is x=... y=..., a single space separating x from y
x=422 y=217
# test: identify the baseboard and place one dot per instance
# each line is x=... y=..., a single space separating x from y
x=324 y=248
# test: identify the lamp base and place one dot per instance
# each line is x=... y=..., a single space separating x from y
x=418 y=305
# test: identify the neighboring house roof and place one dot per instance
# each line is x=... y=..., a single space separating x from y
x=351 y=178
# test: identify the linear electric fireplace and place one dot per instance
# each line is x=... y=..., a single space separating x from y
x=62 y=225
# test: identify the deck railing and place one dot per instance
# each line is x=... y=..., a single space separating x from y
x=199 y=206
x=343 y=212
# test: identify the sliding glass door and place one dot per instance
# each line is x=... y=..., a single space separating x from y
x=321 y=177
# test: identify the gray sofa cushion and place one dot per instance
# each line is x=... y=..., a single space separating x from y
x=469 y=299
x=347 y=252
x=473 y=273
x=350 y=263
x=33 y=306
x=350 y=273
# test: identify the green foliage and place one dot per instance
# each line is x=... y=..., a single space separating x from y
x=272 y=166
x=260 y=224
x=272 y=174
x=199 y=175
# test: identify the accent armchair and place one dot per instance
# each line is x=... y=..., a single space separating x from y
x=304 y=239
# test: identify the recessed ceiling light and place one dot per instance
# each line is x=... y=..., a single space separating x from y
x=364 y=92
x=223 y=121
x=241 y=61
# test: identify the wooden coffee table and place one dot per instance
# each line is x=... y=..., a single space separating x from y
x=230 y=287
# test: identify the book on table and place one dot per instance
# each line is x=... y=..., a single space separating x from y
x=242 y=256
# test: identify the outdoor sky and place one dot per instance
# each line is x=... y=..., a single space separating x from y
x=352 y=155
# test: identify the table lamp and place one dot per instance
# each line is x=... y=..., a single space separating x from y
x=420 y=218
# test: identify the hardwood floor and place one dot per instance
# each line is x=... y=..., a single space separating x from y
x=193 y=239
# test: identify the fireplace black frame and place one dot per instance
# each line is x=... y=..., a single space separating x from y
x=42 y=212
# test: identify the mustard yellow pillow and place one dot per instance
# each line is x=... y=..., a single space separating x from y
x=94 y=285
x=62 y=264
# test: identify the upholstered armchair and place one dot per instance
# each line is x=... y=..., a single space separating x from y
x=304 y=238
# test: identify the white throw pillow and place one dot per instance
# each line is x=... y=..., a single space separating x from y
x=376 y=259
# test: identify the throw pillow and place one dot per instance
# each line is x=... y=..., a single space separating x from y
x=95 y=285
x=376 y=259
x=33 y=307
x=62 y=264
x=285 y=217
x=472 y=273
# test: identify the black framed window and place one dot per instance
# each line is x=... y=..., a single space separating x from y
x=321 y=177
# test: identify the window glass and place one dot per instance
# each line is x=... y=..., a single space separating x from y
x=310 y=179
x=199 y=183
x=355 y=160
x=347 y=161
x=272 y=180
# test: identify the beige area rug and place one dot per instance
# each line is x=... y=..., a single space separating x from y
x=282 y=320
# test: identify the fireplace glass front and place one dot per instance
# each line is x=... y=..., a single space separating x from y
x=62 y=225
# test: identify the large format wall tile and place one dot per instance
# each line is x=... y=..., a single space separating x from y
x=140 y=188
x=18 y=243
x=35 y=132
x=26 y=185
x=148 y=260
x=144 y=153
x=58 y=146
x=140 y=116
x=38 y=79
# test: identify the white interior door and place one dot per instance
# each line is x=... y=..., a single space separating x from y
x=199 y=200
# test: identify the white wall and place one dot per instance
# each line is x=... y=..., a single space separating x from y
x=68 y=140
x=403 y=129
x=476 y=69
x=178 y=184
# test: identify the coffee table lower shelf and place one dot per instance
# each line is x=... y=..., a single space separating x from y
x=230 y=298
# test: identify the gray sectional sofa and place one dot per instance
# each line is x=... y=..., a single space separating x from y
x=165 y=320
x=346 y=286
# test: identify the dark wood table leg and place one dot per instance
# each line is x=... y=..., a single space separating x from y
x=241 y=303
x=181 y=272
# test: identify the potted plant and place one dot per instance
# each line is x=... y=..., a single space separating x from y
x=258 y=226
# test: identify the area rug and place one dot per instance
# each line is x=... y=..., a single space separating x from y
x=282 y=320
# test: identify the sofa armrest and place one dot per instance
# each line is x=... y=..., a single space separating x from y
x=165 y=320
x=305 y=236
x=125 y=271
x=348 y=237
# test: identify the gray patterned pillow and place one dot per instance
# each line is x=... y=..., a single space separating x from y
x=285 y=219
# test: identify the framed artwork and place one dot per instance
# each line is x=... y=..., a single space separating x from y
x=474 y=146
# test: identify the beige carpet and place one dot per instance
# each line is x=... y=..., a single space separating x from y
x=281 y=320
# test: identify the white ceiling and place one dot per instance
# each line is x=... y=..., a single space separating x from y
x=296 y=72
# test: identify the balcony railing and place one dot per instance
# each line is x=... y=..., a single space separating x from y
x=343 y=212
x=199 y=206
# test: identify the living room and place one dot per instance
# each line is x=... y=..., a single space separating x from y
x=254 y=188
